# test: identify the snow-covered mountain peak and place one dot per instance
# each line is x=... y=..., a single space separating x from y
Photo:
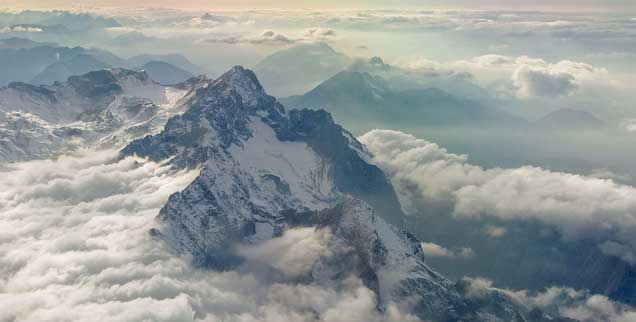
x=219 y=122
x=239 y=77
x=266 y=172
x=101 y=108
x=244 y=83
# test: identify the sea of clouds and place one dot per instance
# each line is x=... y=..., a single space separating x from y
x=75 y=246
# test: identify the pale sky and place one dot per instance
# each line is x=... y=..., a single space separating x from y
x=540 y=5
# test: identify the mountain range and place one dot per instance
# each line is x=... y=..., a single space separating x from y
x=100 y=108
x=44 y=63
x=355 y=97
x=264 y=171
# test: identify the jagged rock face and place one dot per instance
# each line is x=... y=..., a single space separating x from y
x=101 y=83
x=101 y=108
x=218 y=116
x=389 y=261
x=229 y=111
x=265 y=171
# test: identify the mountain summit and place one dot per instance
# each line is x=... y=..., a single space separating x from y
x=266 y=171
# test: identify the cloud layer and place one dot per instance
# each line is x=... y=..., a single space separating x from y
x=272 y=37
x=74 y=246
x=580 y=207
x=294 y=253
x=529 y=77
x=566 y=302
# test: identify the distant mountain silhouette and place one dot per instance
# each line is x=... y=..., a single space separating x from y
x=358 y=97
x=177 y=60
x=61 y=70
x=565 y=118
x=24 y=60
x=165 y=73
x=295 y=70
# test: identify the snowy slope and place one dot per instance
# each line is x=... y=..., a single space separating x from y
x=101 y=108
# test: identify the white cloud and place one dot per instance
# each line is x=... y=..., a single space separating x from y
x=535 y=77
x=294 y=253
x=617 y=249
x=272 y=37
x=494 y=231
x=566 y=302
x=628 y=125
x=319 y=34
x=580 y=207
x=74 y=246
x=435 y=250
x=542 y=82
x=21 y=29
x=528 y=77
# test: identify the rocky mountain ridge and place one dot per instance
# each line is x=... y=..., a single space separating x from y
x=265 y=171
x=101 y=108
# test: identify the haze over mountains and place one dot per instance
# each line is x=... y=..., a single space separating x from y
x=359 y=96
x=377 y=165
x=321 y=162
x=240 y=135
x=570 y=119
x=363 y=99
x=43 y=63
x=71 y=21
x=281 y=72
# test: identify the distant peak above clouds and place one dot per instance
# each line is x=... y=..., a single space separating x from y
x=295 y=70
x=569 y=119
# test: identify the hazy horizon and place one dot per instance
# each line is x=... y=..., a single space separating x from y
x=369 y=162
x=622 y=6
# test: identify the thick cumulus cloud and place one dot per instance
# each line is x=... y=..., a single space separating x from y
x=529 y=77
x=536 y=77
x=74 y=246
x=565 y=302
x=580 y=207
x=541 y=82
